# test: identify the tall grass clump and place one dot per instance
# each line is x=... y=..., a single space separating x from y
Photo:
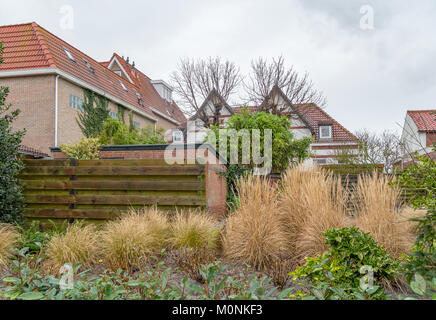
x=377 y=202
x=253 y=233
x=194 y=229
x=9 y=237
x=311 y=202
x=131 y=239
x=78 y=245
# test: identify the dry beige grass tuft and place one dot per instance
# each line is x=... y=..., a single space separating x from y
x=311 y=202
x=253 y=233
x=79 y=244
x=132 y=238
x=194 y=229
x=407 y=213
x=377 y=202
x=9 y=237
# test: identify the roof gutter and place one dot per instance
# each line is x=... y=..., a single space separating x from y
x=83 y=84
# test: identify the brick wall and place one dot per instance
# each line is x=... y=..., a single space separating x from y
x=35 y=97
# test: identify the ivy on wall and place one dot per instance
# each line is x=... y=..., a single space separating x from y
x=121 y=113
x=95 y=112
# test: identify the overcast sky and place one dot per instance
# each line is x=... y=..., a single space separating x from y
x=370 y=76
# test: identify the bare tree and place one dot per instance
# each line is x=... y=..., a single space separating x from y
x=384 y=148
x=195 y=79
x=265 y=75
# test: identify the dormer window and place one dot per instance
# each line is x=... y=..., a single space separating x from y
x=69 y=55
x=88 y=65
x=177 y=136
x=123 y=86
x=118 y=72
x=325 y=132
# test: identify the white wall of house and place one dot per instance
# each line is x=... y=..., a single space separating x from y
x=413 y=140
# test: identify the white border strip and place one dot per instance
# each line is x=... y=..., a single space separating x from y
x=121 y=67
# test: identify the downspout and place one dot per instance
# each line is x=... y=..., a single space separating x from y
x=56 y=111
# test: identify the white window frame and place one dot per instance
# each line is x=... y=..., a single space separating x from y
x=76 y=102
x=136 y=124
x=88 y=65
x=123 y=86
x=177 y=136
x=113 y=115
x=321 y=136
x=69 y=54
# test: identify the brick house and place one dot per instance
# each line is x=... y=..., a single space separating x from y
x=418 y=136
x=47 y=76
x=308 y=120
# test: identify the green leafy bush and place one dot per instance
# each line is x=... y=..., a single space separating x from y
x=426 y=289
x=422 y=260
x=11 y=192
x=116 y=132
x=85 y=149
x=420 y=182
x=284 y=147
x=343 y=265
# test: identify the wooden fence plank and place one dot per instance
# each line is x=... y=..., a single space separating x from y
x=74 y=213
x=114 y=185
x=120 y=170
x=128 y=162
x=39 y=162
x=118 y=199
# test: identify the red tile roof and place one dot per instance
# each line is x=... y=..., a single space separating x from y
x=150 y=96
x=29 y=46
x=33 y=151
x=425 y=120
x=314 y=116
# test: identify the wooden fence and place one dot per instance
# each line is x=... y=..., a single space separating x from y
x=98 y=190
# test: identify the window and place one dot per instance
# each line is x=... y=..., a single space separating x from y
x=118 y=72
x=69 y=55
x=325 y=132
x=123 y=86
x=113 y=115
x=136 y=124
x=90 y=68
x=320 y=161
x=177 y=136
x=76 y=102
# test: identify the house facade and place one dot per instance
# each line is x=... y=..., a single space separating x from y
x=47 y=77
x=418 y=136
x=308 y=120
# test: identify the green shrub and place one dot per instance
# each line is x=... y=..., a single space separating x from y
x=115 y=132
x=420 y=182
x=85 y=149
x=423 y=257
x=343 y=265
x=426 y=289
x=284 y=147
x=11 y=197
